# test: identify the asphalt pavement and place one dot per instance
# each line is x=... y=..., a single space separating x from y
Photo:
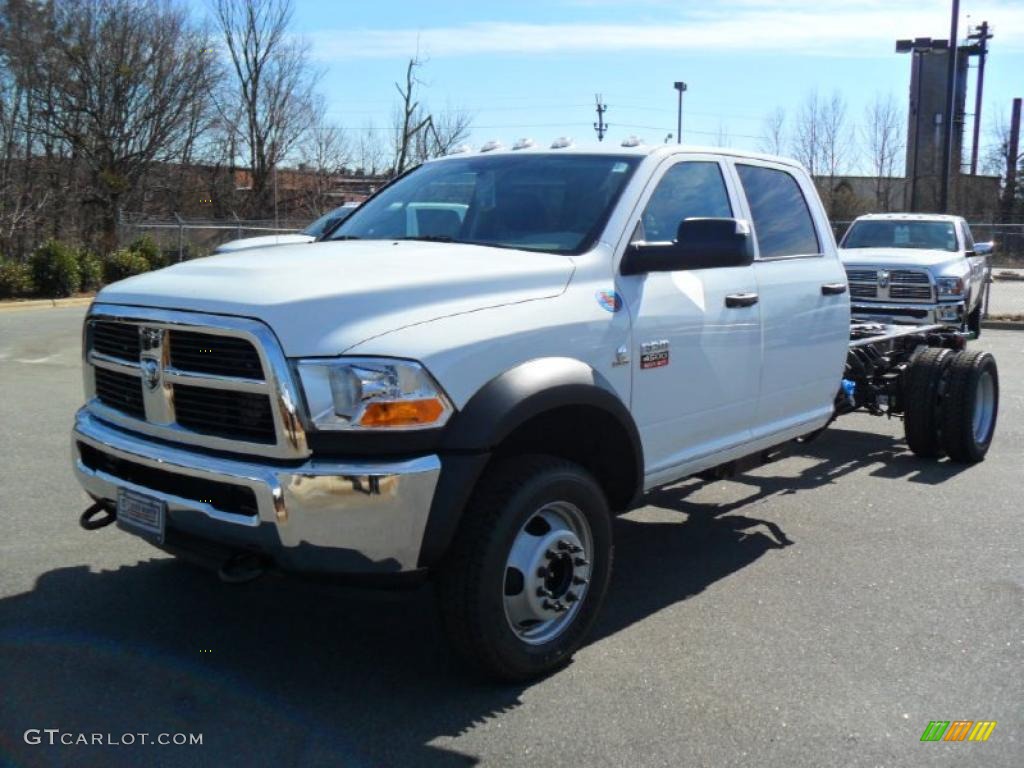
x=819 y=611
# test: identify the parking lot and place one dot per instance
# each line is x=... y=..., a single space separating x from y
x=818 y=611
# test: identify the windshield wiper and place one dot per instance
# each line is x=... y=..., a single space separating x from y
x=428 y=238
x=346 y=237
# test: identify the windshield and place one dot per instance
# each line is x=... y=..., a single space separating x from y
x=543 y=202
x=327 y=221
x=883 y=233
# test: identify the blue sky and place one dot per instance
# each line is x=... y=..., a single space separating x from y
x=532 y=68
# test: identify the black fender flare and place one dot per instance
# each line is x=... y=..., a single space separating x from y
x=496 y=410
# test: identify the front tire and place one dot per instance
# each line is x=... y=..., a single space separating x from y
x=974 y=321
x=529 y=568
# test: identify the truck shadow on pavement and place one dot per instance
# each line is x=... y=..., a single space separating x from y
x=283 y=672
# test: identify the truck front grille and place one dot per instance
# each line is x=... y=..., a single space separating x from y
x=234 y=499
x=120 y=391
x=118 y=340
x=211 y=353
x=217 y=382
x=224 y=413
x=899 y=284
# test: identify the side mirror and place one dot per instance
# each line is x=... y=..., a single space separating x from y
x=983 y=249
x=701 y=243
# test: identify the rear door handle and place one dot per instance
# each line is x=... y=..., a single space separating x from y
x=833 y=289
x=741 y=300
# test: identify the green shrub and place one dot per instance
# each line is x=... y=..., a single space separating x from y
x=146 y=247
x=55 y=269
x=15 y=279
x=90 y=266
x=124 y=263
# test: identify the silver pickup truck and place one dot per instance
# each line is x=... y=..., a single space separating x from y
x=915 y=268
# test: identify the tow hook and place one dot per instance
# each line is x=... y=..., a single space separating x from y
x=91 y=522
x=242 y=567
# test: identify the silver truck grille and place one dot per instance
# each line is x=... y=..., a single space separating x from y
x=890 y=284
x=217 y=382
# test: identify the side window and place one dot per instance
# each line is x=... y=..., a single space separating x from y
x=968 y=238
x=782 y=220
x=687 y=190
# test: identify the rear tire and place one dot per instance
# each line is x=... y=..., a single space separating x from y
x=970 y=406
x=504 y=590
x=922 y=388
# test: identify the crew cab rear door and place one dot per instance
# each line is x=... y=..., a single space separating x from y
x=696 y=347
x=805 y=303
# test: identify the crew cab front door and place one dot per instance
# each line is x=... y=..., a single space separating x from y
x=696 y=334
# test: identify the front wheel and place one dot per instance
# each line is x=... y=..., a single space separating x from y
x=529 y=568
x=974 y=321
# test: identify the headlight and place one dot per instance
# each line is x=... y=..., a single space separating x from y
x=372 y=393
x=950 y=286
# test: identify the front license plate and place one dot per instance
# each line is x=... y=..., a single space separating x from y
x=141 y=514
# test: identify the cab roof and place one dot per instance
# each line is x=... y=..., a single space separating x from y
x=909 y=217
x=629 y=147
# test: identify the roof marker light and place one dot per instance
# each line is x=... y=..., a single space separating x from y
x=490 y=146
x=524 y=143
x=561 y=142
x=632 y=141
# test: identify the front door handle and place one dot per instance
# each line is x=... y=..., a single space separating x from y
x=741 y=300
x=833 y=289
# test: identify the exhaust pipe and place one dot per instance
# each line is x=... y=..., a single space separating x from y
x=90 y=520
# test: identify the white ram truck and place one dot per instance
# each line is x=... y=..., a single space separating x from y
x=482 y=365
x=916 y=268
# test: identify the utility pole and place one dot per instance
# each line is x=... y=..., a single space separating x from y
x=982 y=35
x=680 y=86
x=1012 y=158
x=600 y=126
x=947 y=144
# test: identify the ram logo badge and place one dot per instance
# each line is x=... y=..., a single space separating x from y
x=654 y=354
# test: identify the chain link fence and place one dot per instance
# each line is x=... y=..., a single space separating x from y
x=180 y=239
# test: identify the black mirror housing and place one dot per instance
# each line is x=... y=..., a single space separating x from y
x=701 y=243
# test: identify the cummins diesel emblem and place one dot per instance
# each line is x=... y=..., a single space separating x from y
x=654 y=354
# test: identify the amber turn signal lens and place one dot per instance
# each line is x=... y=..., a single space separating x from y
x=407 y=413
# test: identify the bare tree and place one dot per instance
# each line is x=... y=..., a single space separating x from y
x=274 y=84
x=370 y=153
x=420 y=134
x=323 y=152
x=118 y=83
x=882 y=134
x=410 y=119
x=773 y=130
x=822 y=141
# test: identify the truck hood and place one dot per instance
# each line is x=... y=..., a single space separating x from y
x=899 y=257
x=321 y=299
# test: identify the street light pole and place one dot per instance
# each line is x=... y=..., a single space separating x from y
x=947 y=146
x=680 y=86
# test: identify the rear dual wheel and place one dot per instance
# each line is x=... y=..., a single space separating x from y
x=952 y=400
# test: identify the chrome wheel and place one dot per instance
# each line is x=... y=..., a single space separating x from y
x=984 y=407
x=547 y=572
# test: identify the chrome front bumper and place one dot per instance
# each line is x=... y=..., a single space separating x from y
x=903 y=313
x=315 y=516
